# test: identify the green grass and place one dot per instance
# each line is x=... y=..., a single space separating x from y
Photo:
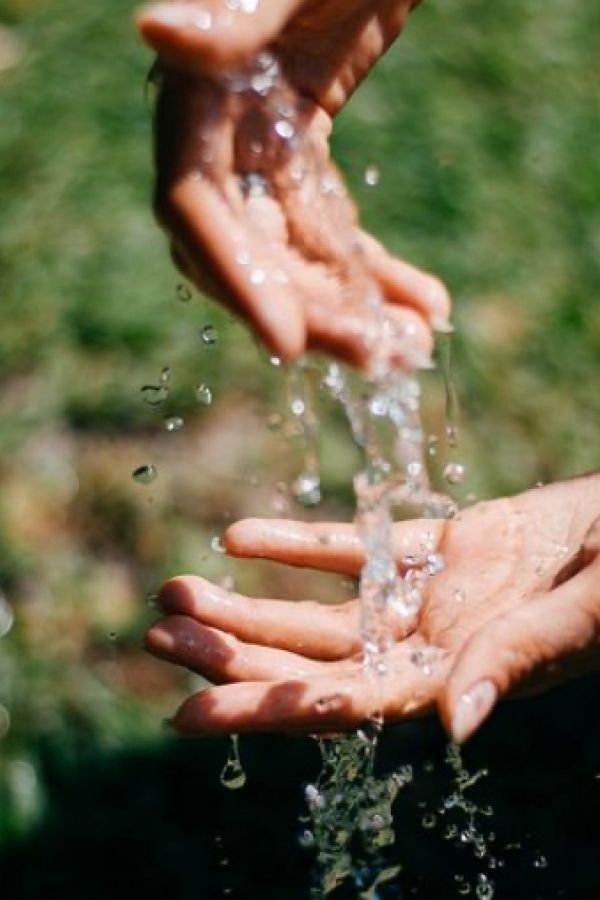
x=484 y=122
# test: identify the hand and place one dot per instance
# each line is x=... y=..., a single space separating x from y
x=257 y=214
x=516 y=607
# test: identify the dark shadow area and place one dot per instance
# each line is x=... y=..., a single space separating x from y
x=158 y=824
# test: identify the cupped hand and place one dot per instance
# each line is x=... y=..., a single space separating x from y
x=256 y=211
x=516 y=608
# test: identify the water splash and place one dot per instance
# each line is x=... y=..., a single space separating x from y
x=349 y=809
x=350 y=816
x=452 y=402
x=302 y=429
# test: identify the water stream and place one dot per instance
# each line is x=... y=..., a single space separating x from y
x=349 y=822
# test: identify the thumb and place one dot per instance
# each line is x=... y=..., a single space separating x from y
x=560 y=628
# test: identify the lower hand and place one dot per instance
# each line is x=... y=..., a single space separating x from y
x=516 y=608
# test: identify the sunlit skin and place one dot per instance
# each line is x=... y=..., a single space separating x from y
x=517 y=605
x=316 y=261
x=516 y=609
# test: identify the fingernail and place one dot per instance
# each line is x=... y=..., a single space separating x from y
x=160 y=639
x=472 y=708
x=170 y=14
x=442 y=325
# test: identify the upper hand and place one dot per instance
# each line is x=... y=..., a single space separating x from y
x=517 y=606
x=261 y=219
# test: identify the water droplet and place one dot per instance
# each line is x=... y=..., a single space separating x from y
x=297 y=406
x=7 y=616
x=280 y=500
x=275 y=361
x=204 y=394
x=233 y=776
x=201 y=20
x=209 y=335
x=174 y=423
x=540 y=862
x=227 y=582
x=284 y=129
x=484 y=890
x=424 y=659
x=458 y=595
x=145 y=474
x=307 y=489
x=372 y=175
x=414 y=470
x=262 y=82
x=435 y=563
x=258 y=276
x=306 y=839
x=216 y=544
x=247 y=6
x=154 y=394
x=4 y=721
x=429 y=820
x=454 y=473
x=184 y=293
x=313 y=797
x=254 y=185
x=242 y=257
x=165 y=374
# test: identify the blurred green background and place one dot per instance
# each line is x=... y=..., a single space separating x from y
x=484 y=123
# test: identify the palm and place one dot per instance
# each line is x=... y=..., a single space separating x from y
x=256 y=211
x=296 y=666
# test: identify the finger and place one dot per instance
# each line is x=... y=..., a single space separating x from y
x=559 y=629
x=321 y=705
x=205 y=226
x=212 y=35
x=328 y=546
x=404 y=284
x=221 y=657
x=310 y=629
x=356 y=337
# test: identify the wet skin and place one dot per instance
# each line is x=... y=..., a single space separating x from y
x=516 y=609
x=314 y=263
x=530 y=614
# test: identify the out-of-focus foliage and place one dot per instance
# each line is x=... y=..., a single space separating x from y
x=483 y=121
